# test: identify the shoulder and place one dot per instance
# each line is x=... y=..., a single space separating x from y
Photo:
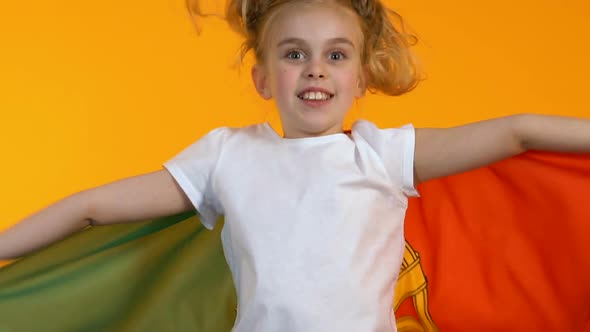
x=226 y=132
x=369 y=125
x=370 y=131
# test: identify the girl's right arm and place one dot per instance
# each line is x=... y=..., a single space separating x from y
x=133 y=199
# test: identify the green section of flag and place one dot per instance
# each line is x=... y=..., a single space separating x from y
x=166 y=274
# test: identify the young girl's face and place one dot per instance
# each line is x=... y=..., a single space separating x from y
x=312 y=67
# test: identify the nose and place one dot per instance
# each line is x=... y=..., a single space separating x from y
x=318 y=75
x=315 y=69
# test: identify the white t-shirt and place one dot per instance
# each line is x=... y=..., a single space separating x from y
x=313 y=230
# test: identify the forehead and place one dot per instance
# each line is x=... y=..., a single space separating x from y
x=315 y=23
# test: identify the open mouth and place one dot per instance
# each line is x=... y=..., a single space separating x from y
x=315 y=96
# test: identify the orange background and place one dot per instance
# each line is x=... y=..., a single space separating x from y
x=96 y=91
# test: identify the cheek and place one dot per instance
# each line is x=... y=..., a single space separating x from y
x=348 y=81
x=286 y=79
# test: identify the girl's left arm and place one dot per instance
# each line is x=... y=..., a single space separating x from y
x=447 y=151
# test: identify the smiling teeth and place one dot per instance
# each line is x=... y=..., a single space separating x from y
x=315 y=96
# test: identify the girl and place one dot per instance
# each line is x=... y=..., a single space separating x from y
x=313 y=220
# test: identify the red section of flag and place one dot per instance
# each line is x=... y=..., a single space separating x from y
x=507 y=247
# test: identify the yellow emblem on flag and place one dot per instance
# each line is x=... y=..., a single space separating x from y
x=413 y=284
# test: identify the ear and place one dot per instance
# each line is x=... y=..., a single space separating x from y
x=361 y=87
x=259 y=78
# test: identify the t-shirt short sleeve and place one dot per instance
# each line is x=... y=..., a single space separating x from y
x=194 y=171
x=395 y=147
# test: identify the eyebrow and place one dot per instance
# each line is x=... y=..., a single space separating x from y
x=337 y=40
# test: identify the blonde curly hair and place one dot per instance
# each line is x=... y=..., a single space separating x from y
x=390 y=66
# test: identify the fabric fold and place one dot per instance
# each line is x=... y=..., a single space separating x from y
x=501 y=248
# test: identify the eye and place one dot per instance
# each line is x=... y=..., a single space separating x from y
x=294 y=55
x=337 y=55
